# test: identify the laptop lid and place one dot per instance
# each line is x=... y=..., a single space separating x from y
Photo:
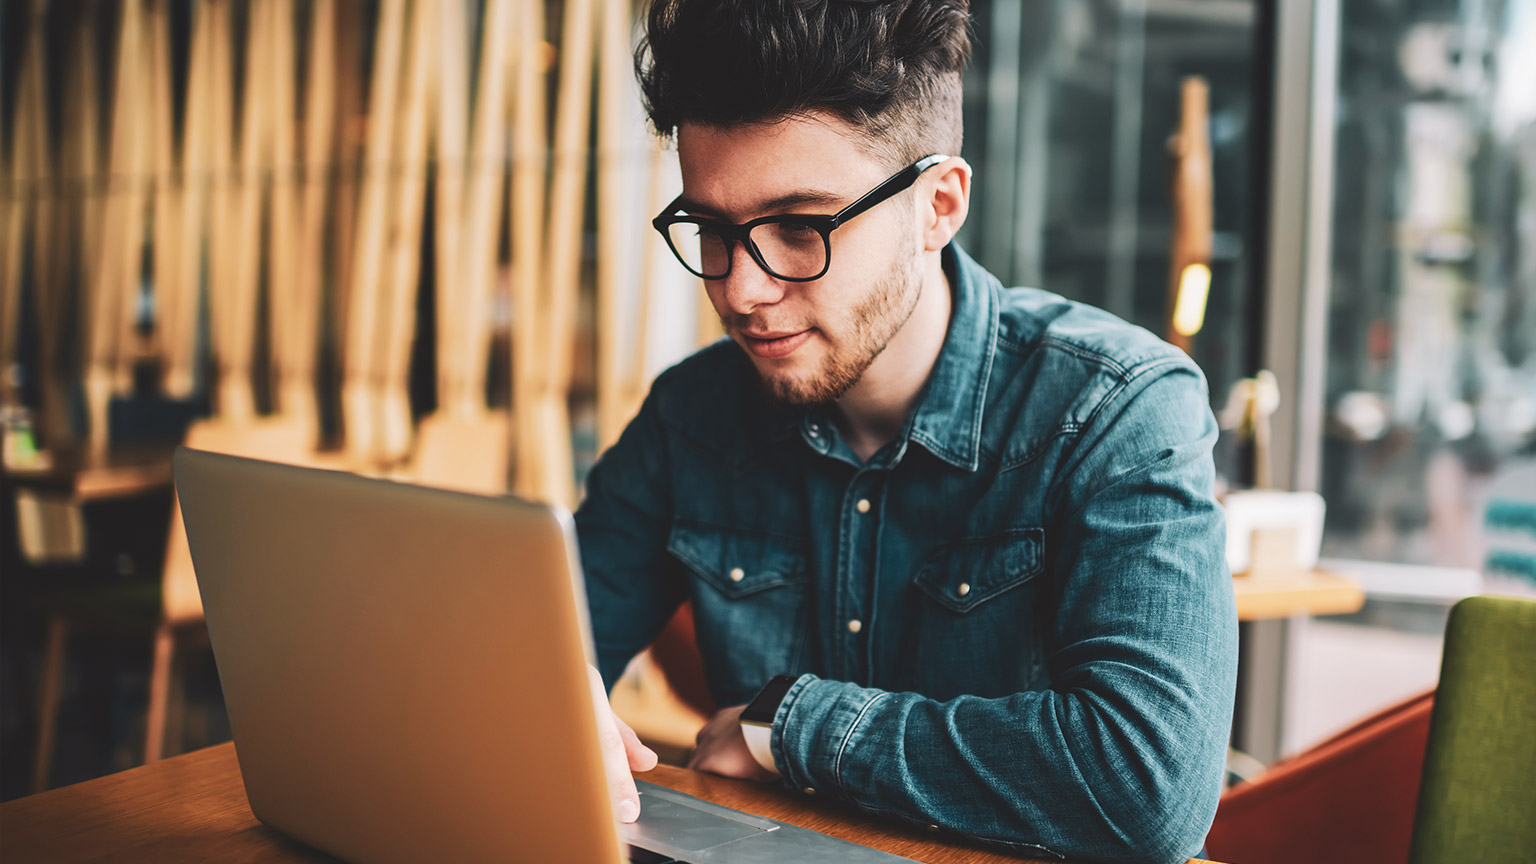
x=403 y=667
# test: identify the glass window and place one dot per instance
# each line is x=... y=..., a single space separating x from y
x=1429 y=452
x=1069 y=108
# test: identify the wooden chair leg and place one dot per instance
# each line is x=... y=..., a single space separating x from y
x=48 y=702
x=176 y=701
x=159 y=692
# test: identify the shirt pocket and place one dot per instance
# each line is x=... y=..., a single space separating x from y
x=749 y=592
x=977 y=616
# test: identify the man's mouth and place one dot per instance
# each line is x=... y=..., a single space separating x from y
x=774 y=345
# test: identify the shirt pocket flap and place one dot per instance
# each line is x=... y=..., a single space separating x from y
x=962 y=575
x=738 y=563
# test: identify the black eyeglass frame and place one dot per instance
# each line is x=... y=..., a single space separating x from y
x=823 y=225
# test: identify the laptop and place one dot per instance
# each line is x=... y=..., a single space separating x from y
x=404 y=670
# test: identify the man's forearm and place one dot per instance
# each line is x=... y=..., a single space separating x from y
x=1059 y=774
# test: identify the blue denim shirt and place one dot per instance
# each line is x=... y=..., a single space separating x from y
x=1015 y=621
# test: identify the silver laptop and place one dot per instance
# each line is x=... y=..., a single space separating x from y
x=405 y=674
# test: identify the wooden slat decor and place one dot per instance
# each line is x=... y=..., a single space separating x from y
x=280 y=169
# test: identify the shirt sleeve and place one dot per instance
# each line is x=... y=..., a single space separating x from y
x=621 y=529
x=1122 y=758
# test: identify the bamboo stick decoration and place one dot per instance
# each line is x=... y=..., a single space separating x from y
x=709 y=330
x=561 y=283
x=450 y=150
x=466 y=351
x=178 y=321
x=175 y=288
x=527 y=241
x=653 y=251
x=344 y=193
x=320 y=132
x=115 y=277
x=360 y=400
x=76 y=242
x=224 y=195
x=53 y=239
x=29 y=171
x=152 y=103
x=1189 y=267
x=404 y=257
x=615 y=367
x=241 y=287
x=637 y=381
x=288 y=304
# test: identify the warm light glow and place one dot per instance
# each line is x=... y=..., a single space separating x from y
x=1189 y=311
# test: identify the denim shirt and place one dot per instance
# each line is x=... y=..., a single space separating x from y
x=1015 y=621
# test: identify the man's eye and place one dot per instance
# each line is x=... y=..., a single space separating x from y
x=797 y=233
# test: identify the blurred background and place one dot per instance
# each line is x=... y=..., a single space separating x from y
x=410 y=238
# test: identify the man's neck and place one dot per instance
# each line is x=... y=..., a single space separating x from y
x=875 y=409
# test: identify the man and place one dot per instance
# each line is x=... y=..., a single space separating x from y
x=973 y=527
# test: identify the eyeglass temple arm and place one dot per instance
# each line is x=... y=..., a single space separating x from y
x=898 y=182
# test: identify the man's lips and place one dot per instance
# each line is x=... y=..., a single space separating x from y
x=775 y=345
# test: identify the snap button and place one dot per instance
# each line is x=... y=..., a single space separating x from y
x=737 y=574
x=963 y=589
x=809 y=790
x=855 y=625
x=863 y=505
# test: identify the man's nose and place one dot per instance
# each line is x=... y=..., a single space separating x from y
x=748 y=285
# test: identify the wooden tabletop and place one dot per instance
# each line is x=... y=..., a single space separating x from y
x=1317 y=592
x=87 y=476
x=193 y=808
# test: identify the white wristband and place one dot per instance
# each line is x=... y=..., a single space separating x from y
x=758 y=736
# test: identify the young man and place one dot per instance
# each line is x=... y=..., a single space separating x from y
x=958 y=542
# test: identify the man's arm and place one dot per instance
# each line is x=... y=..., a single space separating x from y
x=621 y=528
x=1122 y=758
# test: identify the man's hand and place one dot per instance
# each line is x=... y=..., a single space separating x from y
x=721 y=749
x=622 y=752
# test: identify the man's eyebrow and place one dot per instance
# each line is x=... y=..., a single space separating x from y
x=771 y=206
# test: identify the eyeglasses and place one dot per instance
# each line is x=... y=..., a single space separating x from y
x=791 y=247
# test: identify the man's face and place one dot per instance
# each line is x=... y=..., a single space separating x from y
x=810 y=341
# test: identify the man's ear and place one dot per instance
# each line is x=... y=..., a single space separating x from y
x=943 y=210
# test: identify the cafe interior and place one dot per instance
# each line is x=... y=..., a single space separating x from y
x=411 y=240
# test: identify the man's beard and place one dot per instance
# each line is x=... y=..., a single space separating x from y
x=874 y=323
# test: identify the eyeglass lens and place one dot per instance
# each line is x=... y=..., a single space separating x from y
x=790 y=249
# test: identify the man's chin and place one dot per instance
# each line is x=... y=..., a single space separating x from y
x=806 y=390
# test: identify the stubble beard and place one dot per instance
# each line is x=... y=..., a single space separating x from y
x=874 y=324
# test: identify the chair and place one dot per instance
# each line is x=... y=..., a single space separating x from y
x=1348 y=799
x=1444 y=777
x=1477 y=802
x=676 y=652
x=172 y=608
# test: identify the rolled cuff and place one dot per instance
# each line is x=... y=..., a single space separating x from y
x=818 y=723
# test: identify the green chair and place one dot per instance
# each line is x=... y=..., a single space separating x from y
x=1477 y=801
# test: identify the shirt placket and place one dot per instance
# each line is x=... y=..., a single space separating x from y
x=858 y=532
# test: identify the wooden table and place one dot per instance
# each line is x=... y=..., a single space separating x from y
x=1317 y=592
x=193 y=808
x=1273 y=611
x=84 y=476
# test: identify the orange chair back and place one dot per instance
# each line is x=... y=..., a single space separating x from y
x=1350 y=799
x=676 y=652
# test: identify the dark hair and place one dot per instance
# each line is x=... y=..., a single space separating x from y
x=890 y=68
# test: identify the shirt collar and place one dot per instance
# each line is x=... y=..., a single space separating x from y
x=947 y=421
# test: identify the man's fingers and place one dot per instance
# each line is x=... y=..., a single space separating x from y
x=641 y=757
x=621 y=786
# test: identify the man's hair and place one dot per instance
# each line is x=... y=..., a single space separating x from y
x=889 y=68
